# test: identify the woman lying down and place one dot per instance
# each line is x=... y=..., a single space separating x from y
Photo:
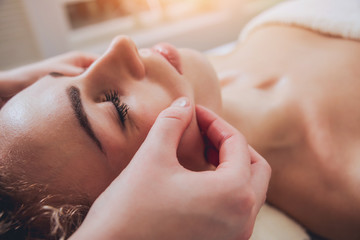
x=291 y=86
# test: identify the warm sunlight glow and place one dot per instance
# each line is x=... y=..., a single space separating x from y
x=86 y=12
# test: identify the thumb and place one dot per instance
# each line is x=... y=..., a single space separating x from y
x=163 y=138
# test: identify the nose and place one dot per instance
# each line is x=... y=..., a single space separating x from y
x=121 y=59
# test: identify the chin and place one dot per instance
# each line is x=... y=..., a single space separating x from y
x=206 y=92
x=203 y=79
x=192 y=148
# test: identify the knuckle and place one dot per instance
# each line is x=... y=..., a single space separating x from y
x=245 y=201
x=249 y=200
x=238 y=138
x=171 y=113
x=231 y=138
x=247 y=234
x=267 y=167
x=240 y=199
x=241 y=137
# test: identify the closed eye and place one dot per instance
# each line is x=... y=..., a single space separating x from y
x=121 y=108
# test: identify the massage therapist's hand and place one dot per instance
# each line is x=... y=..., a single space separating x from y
x=156 y=198
x=68 y=64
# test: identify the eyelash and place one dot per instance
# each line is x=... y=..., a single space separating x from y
x=121 y=108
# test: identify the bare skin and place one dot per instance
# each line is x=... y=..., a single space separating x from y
x=294 y=94
x=67 y=158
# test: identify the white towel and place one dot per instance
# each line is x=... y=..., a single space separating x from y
x=339 y=18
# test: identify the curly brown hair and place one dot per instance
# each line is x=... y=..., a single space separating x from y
x=29 y=211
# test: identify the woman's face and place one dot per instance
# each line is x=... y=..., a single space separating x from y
x=80 y=132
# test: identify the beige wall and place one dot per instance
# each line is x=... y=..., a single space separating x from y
x=17 y=45
x=23 y=41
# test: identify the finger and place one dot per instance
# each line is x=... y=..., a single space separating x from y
x=79 y=59
x=86 y=59
x=260 y=176
x=233 y=148
x=164 y=136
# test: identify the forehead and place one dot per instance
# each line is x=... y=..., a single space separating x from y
x=39 y=108
x=38 y=125
x=41 y=132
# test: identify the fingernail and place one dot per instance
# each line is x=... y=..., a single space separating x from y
x=181 y=102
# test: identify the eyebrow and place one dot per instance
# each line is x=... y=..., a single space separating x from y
x=73 y=94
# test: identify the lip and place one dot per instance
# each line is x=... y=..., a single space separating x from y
x=170 y=53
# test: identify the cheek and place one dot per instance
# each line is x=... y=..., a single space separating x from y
x=146 y=107
x=70 y=168
x=143 y=112
x=146 y=119
x=88 y=174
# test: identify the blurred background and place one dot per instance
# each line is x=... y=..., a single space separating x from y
x=31 y=30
